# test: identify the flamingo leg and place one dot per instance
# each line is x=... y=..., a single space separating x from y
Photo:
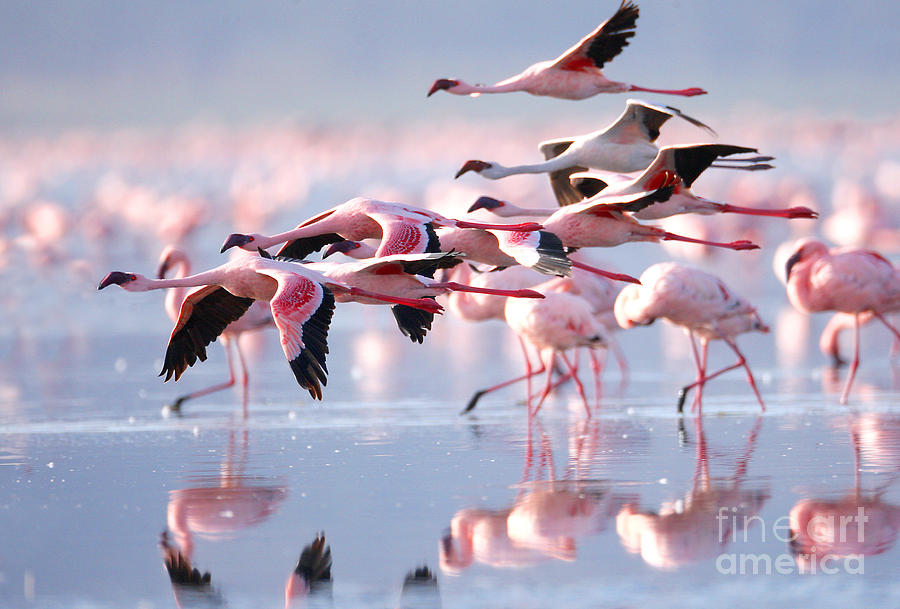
x=574 y=371
x=742 y=244
x=245 y=377
x=176 y=405
x=461 y=287
x=700 y=373
x=690 y=92
x=607 y=274
x=527 y=376
x=597 y=366
x=743 y=362
x=790 y=212
x=704 y=351
x=890 y=327
x=851 y=373
x=525 y=227
x=687 y=388
x=548 y=385
x=563 y=377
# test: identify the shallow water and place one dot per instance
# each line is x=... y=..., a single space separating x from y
x=619 y=510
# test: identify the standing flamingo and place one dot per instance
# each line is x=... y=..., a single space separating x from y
x=699 y=302
x=854 y=281
x=403 y=229
x=627 y=145
x=302 y=303
x=577 y=73
x=259 y=315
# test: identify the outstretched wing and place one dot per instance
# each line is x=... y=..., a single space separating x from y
x=691 y=161
x=302 y=310
x=604 y=43
x=635 y=202
x=540 y=250
x=204 y=314
x=299 y=249
x=412 y=264
x=559 y=180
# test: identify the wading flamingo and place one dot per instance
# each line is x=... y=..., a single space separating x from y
x=854 y=281
x=577 y=73
x=700 y=303
x=259 y=315
x=302 y=303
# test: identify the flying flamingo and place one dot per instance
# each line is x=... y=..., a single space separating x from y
x=699 y=302
x=601 y=222
x=302 y=303
x=259 y=315
x=577 y=73
x=855 y=281
x=403 y=229
x=408 y=276
x=625 y=146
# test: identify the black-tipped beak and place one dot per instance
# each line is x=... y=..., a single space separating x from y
x=476 y=166
x=235 y=240
x=114 y=277
x=794 y=259
x=441 y=84
x=341 y=246
x=485 y=203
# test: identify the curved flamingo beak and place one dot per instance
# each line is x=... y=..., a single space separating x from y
x=235 y=240
x=794 y=259
x=441 y=84
x=486 y=203
x=342 y=247
x=475 y=165
x=115 y=277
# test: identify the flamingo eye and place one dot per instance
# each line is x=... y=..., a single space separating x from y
x=132 y=277
x=250 y=239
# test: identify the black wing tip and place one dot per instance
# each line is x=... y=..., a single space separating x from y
x=309 y=367
x=299 y=249
x=552 y=256
x=314 y=564
x=413 y=322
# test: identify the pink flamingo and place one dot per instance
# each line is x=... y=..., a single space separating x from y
x=403 y=229
x=625 y=146
x=699 y=302
x=577 y=73
x=259 y=315
x=601 y=222
x=302 y=303
x=854 y=281
x=409 y=277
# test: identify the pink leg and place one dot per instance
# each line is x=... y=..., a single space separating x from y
x=245 y=377
x=524 y=227
x=790 y=212
x=578 y=385
x=561 y=379
x=527 y=376
x=851 y=373
x=743 y=244
x=888 y=325
x=597 y=368
x=176 y=405
x=607 y=274
x=704 y=352
x=697 y=380
x=710 y=377
x=461 y=287
x=743 y=361
x=548 y=384
x=683 y=92
x=426 y=304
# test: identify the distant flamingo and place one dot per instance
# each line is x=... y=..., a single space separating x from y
x=302 y=304
x=576 y=74
x=259 y=315
x=699 y=302
x=403 y=229
x=625 y=146
x=852 y=281
x=601 y=222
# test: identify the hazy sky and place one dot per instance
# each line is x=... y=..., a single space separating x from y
x=163 y=61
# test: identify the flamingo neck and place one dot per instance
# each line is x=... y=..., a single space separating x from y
x=554 y=164
x=175 y=296
x=213 y=277
x=464 y=88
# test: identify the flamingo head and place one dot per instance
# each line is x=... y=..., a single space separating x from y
x=474 y=165
x=804 y=250
x=345 y=247
x=487 y=203
x=169 y=258
x=442 y=84
x=128 y=281
x=245 y=242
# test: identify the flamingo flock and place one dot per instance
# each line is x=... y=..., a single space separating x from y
x=526 y=274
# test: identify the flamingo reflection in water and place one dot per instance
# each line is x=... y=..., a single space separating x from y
x=824 y=531
x=690 y=529
x=546 y=518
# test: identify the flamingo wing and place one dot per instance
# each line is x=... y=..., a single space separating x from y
x=604 y=43
x=204 y=314
x=299 y=249
x=412 y=264
x=302 y=309
x=559 y=180
x=651 y=118
x=540 y=250
x=691 y=161
x=602 y=204
x=402 y=235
